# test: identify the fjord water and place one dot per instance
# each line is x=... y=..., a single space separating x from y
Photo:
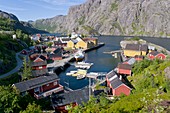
x=102 y=62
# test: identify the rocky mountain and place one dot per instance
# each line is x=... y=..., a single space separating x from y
x=14 y=23
x=113 y=17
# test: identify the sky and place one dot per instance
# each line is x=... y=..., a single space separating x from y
x=37 y=9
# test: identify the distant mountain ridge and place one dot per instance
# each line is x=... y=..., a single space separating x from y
x=113 y=17
x=24 y=26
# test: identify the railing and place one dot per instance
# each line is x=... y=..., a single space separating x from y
x=48 y=93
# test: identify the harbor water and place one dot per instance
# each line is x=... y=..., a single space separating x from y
x=102 y=62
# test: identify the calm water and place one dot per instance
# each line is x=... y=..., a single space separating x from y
x=102 y=62
x=164 y=42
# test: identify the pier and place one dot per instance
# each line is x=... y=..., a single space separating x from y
x=112 y=52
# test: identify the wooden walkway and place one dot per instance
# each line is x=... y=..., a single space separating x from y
x=112 y=52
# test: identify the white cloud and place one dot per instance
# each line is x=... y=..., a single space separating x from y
x=12 y=8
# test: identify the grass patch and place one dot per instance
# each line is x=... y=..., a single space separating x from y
x=114 y=6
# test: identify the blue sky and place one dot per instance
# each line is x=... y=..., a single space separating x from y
x=37 y=9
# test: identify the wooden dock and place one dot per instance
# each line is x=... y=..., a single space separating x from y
x=96 y=74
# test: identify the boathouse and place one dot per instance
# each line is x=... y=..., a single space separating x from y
x=40 y=87
x=117 y=87
x=155 y=54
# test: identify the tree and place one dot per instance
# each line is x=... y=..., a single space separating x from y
x=27 y=69
x=32 y=108
x=9 y=100
x=19 y=33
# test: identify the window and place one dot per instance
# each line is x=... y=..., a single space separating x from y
x=37 y=89
x=55 y=83
x=47 y=85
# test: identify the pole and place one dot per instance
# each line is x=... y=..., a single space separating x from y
x=89 y=87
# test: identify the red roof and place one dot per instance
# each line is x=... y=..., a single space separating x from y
x=124 y=66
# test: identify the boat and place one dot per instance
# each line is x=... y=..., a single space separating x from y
x=71 y=73
x=81 y=73
x=83 y=65
x=81 y=76
x=79 y=55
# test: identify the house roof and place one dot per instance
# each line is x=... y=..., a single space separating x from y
x=131 y=61
x=115 y=83
x=35 y=82
x=110 y=74
x=42 y=57
x=58 y=42
x=65 y=39
x=124 y=66
x=78 y=96
x=39 y=63
x=39 y=72
x=57 y=50
x=154 y=53
x=137 y=47
x=114 y=79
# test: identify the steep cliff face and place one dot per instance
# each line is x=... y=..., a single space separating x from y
x=114 y=17
x=16 y=24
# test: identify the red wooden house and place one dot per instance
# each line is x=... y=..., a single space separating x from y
x=117 y=87
x=124 y=69
x=62 y=102
x=39 y=66
x=155 y=54
x=40 y=87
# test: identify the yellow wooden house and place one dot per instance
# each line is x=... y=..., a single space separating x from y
x=71 y=44
x=86 y=43
x=132 y=50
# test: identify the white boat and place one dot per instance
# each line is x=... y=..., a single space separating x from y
x=71 y=73
x=81 y=76
x=79 y=55
x=83 y=65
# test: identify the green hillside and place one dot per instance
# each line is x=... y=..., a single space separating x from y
x=8 y=48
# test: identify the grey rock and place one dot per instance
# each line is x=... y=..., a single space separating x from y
x=114 y=17
x=167 y=72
